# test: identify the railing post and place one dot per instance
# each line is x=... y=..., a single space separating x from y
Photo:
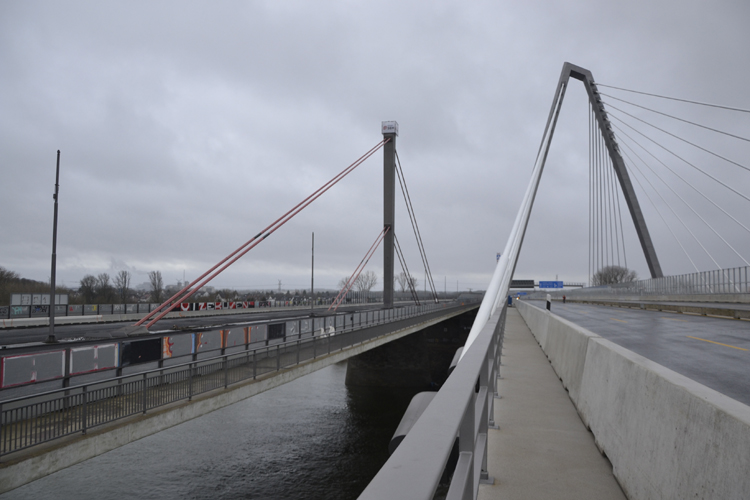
x=255 y=365
x=83 y=409
x=466 y=440
x=278 y=357
x=486 y=417
x=226 y=371
x=2 y=436
x=144 y=393
x=494 y=373
x=190 y=383
x=299 y=346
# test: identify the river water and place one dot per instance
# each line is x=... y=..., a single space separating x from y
x=308 y=439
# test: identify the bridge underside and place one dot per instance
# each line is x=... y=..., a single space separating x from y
x=418 y=360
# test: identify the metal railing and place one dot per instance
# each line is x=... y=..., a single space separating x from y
x=64 y=363
x=32 y=420
x=463 y=407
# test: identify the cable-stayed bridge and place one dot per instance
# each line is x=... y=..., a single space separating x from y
x=622 y=155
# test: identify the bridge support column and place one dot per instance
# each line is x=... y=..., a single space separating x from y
x=390 y=132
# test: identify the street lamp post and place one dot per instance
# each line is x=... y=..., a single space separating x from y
x=51 y=338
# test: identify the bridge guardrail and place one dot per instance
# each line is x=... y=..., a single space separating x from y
x=35 y=419
x=463 y=407
x=60 y=364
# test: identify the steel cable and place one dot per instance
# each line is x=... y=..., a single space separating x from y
x=415 y=225
x=253 y=242
x=679 y=157
x=690 y=207
x=717 y=155
x=677 y=118
x=677 y=99
x=683 y=179
x=669 y=206
x=669 y=227
x=405 y=270
x=361 y=267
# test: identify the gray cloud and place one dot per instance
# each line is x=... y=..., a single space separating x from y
x=185 y=128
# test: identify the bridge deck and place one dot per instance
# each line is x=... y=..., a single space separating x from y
x=542 y=449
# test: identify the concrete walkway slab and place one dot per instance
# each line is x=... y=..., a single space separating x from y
x=542 y=448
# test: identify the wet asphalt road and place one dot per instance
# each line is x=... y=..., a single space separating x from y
x=712 y=351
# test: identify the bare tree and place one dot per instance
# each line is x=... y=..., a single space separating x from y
x=87 y=289
x=342 y=282
x=610 y=275
x=365 y=281
x=122 y=283
x=104 y=292
x=403 y=281
x=7 y=276
x=7 y=279
x=227 y=294
x=157 y=285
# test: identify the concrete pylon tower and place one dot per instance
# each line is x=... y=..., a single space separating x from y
x=390 y=132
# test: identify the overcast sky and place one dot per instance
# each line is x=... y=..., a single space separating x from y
x=186 y=127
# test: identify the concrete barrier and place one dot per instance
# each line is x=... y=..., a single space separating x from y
x=666 y=435
x=566 y=345
x=536 y=322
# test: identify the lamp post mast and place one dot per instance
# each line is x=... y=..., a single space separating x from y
x=51 y=337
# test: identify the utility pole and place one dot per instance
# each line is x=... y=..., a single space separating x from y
x=51 y=339
x=312 y=275
x=390 y=132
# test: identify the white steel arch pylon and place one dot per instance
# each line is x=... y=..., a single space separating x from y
x=497 y=291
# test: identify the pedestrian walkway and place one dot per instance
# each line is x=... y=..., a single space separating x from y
x=542 y=448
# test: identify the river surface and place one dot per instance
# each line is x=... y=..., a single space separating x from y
x=311 y=438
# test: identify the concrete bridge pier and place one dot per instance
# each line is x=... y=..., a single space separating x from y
x=418 y=360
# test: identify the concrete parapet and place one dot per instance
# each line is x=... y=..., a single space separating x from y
x=535 y=322
x=666 y=435
x=566 y=345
